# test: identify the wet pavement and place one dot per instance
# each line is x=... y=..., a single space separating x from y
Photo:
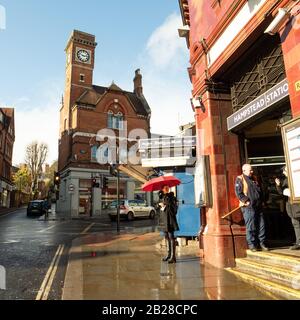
x=128 y=266
x=28 y=246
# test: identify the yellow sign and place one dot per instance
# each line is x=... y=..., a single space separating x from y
x=297 y=85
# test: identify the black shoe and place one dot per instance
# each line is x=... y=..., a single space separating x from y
x=295 y=247
x=166 y=258
x=173 y=260
x=264 y=248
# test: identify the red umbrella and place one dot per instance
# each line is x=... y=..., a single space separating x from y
x=157 y=183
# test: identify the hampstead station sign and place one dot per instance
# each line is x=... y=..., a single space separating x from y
x=264 y=101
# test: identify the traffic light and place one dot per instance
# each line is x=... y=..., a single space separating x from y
x=104 y=183
x=95 y=184
x=56 y=178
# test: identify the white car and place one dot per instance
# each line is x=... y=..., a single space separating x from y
x=131 y=209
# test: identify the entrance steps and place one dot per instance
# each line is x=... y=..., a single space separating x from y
x=277 y=272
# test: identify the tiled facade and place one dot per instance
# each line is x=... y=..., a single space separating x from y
x=220 y=35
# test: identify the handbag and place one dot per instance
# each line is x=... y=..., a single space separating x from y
x=295 y=211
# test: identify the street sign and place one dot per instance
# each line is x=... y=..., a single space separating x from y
x=261 y=103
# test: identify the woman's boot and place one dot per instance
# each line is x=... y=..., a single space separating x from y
x=173 y=251
x=168 y=256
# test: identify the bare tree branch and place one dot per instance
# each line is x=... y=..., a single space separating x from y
x=35 y=157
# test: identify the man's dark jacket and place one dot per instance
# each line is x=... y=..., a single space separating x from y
x=253 y=194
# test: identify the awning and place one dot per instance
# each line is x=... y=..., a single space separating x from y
x=137 y=172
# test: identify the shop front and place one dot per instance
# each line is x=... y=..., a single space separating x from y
x=261 y=105
x=5 y=192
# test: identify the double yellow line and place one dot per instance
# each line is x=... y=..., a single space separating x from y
x=44 y=291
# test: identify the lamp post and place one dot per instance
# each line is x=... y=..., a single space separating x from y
x=118 y=198
x=114 y=171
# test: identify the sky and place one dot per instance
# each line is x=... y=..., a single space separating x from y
x=130 y=34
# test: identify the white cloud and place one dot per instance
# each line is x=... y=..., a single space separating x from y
x=37 y=122
x=36 y=125
x=164 y=46
x=167 y=87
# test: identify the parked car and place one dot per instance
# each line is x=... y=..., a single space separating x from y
x=131 y=209
x=37 y=208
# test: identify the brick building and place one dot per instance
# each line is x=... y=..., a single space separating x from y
x=87 y=108
x=7 y=138
x=245 y=76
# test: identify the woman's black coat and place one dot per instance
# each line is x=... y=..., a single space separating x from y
x=168 y=221
x=293 y=210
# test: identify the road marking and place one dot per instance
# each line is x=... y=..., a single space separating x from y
x=51 y=227
x=87 y=228
x=9 y=241
x=7 y=214
x=48 y=280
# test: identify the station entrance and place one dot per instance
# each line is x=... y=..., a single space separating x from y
x=262 y=147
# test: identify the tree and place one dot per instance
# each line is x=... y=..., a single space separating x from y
x=35 y=157
x=52 y=169
x=49 y=176
x=22 y=180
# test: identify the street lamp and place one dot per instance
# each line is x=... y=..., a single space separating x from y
x=114 y=171
x=121 y=154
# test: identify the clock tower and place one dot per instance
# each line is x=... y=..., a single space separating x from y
x=80 y=58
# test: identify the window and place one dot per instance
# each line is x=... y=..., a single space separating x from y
x=115 y=121
x=81 y=77
x=110 y=119
x=94 y=153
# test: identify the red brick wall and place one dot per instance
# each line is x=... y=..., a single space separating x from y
x=88 y=120
x=290 y=38
x=7 y=144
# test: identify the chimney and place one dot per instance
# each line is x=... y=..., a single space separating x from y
x=138 y=86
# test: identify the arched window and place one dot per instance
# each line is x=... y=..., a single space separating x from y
x=110 y=119
x=115 y=121
x=119 y=120
x=94 y=153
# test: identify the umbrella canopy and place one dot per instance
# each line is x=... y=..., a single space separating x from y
x=157 y=183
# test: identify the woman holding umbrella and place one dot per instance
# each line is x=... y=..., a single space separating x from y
x=168 y=208
x=168 y=205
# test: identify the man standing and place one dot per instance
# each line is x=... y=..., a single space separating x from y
x=250 y=195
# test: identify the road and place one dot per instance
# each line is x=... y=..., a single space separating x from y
x=34 y=252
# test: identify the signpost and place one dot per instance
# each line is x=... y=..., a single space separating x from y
x=291 y=141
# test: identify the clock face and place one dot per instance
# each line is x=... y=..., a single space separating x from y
x=83 y=55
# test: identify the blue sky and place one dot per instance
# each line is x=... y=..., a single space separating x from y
x=130 y=34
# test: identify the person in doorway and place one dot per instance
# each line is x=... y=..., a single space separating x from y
x=168 y=208
x=250 y=195
x=293 y=210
